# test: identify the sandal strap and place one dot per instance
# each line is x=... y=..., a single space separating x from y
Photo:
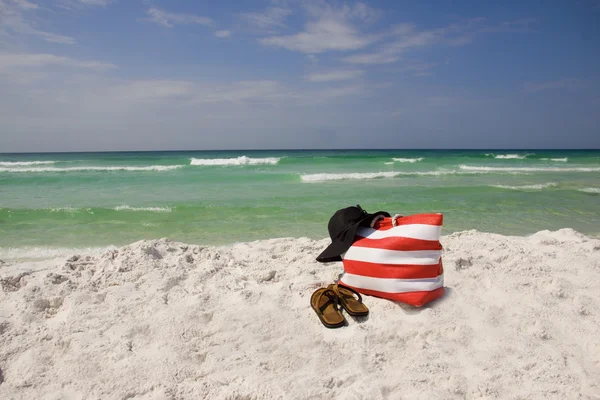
x=333 y=298
x=336 y=288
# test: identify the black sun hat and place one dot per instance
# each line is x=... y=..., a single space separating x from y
x=342 y=228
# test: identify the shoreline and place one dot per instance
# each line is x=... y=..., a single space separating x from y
x=163 y=320
x=49 y=253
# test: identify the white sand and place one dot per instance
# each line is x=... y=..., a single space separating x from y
x=164 y=320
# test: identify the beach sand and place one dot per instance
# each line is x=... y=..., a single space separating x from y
x=167 y=320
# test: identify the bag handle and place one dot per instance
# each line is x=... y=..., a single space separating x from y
x=395 y=219
x=381 y=217
x=376 y=220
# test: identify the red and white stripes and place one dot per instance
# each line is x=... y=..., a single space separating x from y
x=401 y=261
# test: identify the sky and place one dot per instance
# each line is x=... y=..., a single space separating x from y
x=104 y=75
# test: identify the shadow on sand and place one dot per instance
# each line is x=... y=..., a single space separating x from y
x=408 y=309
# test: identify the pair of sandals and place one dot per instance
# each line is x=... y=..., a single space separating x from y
x=327 y=301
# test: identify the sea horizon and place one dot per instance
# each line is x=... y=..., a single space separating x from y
x=301 y=149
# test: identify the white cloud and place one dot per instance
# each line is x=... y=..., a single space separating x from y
x=345 y=92
x=565 y=84
x=242 y=91
x=10 y=61
x=74 y=5
x=414 y=39
x=362 y=12
x=329 y=28
x=420 y=68
x=357 y=11
x=24 y=4
x=372 y=58
x=406 y=37
x=223 y=34
x=140 y=91
x=95 y=93
x=54 y=38
x=74 y=106
x=14 y=19
x=96 y=2
x=321 y=36
x=523 y=25
x=269 y=19
x=168 y=19
x=339 y=75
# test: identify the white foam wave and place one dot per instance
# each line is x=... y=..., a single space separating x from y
x=47 y=253
x=70 y=209
x=526 y=169
x=528 y=187
x=372 y=175
x=24 y=163
x=590 y=190
x=389 y=163
x=90 y=168
x=511 y=156
x=242 y=160
x=556 y=159
x=150 y=209
x=408 y=160
x=353 y=176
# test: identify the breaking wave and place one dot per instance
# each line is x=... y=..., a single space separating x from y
x=150 y=209
x=353 y=176
x=556 y=159
x=408 y=160
x=528 y=187
x=24 y=163
x=242 y=160
x=373 y=175
x=71 y=210
x=590 y=190
x=463 y=170
x=90 y=168
x=526 y=169
x=508 y=156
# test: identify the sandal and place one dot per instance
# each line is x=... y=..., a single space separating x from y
x=354 y=307
x=325 y=303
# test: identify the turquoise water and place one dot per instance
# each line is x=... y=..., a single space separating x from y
x=219 y=197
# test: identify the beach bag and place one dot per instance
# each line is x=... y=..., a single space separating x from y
x=398 y=258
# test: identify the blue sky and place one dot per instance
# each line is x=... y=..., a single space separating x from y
x=96 y=75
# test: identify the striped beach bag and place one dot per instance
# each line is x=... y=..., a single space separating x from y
x=399 y=258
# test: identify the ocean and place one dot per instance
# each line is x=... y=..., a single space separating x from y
x=53 y=202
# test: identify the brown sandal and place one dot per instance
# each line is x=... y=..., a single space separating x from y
x=325 y=303
x=354 y=307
